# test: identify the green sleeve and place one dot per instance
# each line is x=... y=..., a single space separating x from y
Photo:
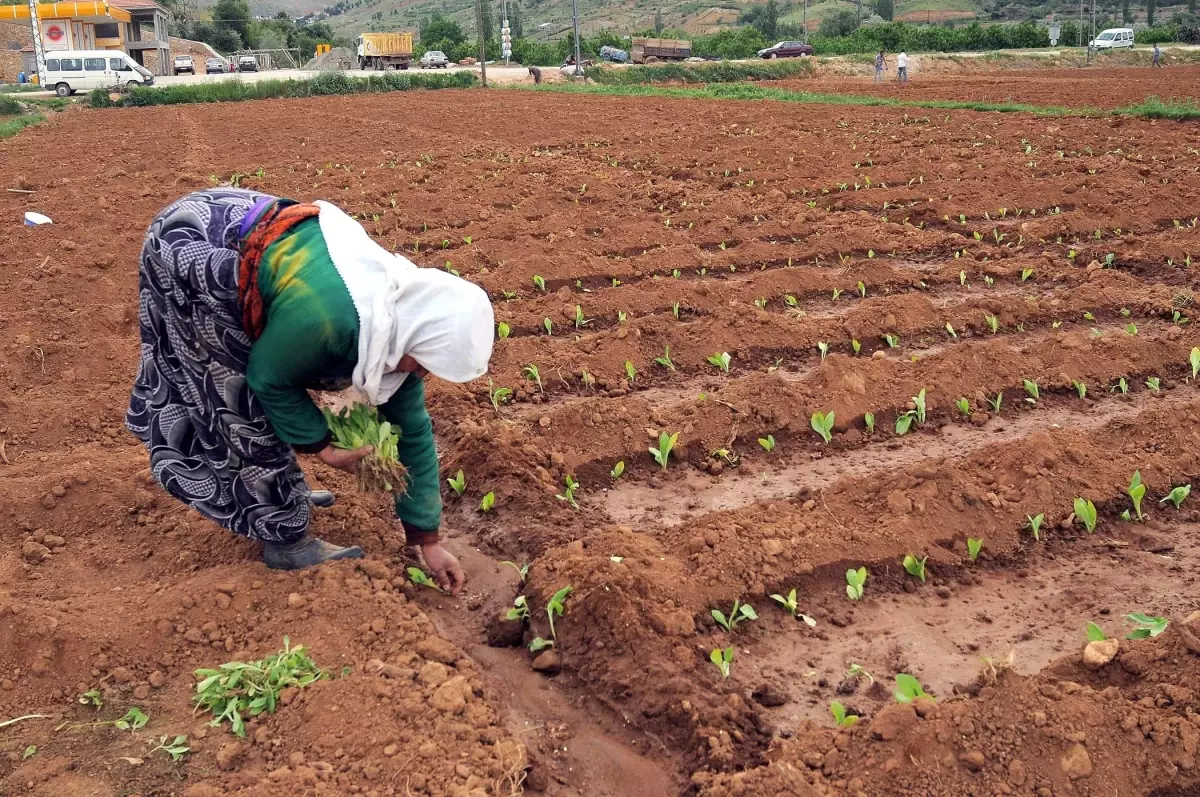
x=421 y=505
x=278 y=370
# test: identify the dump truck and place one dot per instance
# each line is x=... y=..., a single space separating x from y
x=648 y=51
x=383 y=50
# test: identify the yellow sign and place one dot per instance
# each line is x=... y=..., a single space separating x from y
x=322 y=49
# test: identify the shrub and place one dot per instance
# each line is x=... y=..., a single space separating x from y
x=718 y=72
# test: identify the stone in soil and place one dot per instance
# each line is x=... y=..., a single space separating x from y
x=547 y=661
x=1101 y=652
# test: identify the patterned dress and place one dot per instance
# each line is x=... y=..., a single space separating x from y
x=211 y=444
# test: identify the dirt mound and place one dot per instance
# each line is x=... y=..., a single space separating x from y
x=336 y=58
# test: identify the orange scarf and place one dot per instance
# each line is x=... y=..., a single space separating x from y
x=275 y=222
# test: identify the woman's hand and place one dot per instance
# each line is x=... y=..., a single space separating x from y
x=445 y=567
x=343 y=458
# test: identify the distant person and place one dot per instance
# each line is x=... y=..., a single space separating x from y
x=880 y=66
x=1157 y=56
x=537 y=75
x=902 y=67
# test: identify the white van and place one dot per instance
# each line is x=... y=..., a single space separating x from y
x=69 y=71
x=1113 y=37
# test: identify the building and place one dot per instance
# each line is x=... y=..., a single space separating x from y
x=139 y=27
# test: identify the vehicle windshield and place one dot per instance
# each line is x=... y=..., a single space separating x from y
x=1107 y=36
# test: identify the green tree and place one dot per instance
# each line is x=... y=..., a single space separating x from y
x=1126 y=14
x=234 y=16
x=514 y=21
x=438 y=28
x=770 y=19
x=885 y=9
x=1151 y=6
x=841 y=22
x=489 y=23
x=658 y=22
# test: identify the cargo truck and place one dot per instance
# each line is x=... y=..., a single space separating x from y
x=648 y=51
x=383 y=50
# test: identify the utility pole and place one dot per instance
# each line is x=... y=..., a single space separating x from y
x=39 y=49
x=483 y=44
x=806 y=21
x=575 y=21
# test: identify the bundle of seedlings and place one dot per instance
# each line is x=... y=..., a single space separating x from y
x=359 y=425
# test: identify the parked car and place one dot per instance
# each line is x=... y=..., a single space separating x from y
x=434 y=59
x=1113 y=38
x=247 y=63
x=68 y=71
x=786 y=50
x=215 y=66
x=184 y=63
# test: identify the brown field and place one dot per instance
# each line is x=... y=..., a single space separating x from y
x=706 y=227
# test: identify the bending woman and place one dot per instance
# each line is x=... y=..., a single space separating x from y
x=247 y=302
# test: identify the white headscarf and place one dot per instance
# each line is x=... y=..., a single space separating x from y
x=444 y=322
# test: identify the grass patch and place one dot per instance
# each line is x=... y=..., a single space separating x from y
x=1154 y=108
x=745 y=91
x=16 y=88
x=10 y=127
x=9 y=106
x=329 y=83
x=716 y=72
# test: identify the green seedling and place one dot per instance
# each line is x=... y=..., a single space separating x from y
x=419 y=577
x=837 y=292
x=868 y=420
x=792 y=607
x=539 y=643
x=1136 y=492
x=857 y=671
x=522 y=570
x=822 y=424
x=760 y=303
x=964 y=406
x=176 y=748
x=1035 y=525
x=962 y=275
x=720 y=360
x=1080 y=388
x=904 y=423
x=618 y=470
x=539 y=283
x=993 y=323
x=498 y=395
x=508 y=294
x=1126 y=516
x=1095 y=633
x=531 y=373
x=855 y=581
x=919 y=400
x=909 y=689
x=93 y=698
x=580 y=321
x=862 y=289
x=1121 y=387
x=630 y=371
x=359 y=425
x=458 y=484
x=950 y=330
x=723 y=659
x=675 y=310
x=133 y=720
x=621 y=316
x=790 y=301
x=487 y=503
x=914 y=566
x=519 y=610
x=996 y=402
x=676 y=273
x=236 y=688
x=1033 y=390
x=568 y=493
x=840 y=716
x=1154 y=384
x=1085 y=511
x=555 y=608
x=891 y=340
x=1026 y=273
x=665 y=360
x=31 y=751
x=1145 y=626
x=1131 y=329
x=974 y=547
x=739 y=613
x=768 y=443
x=1194 y=359
x=855 y=345
x=662 y=453
x=1177 y=495
x=503 y=330
x=823 y=347
x=989 y=281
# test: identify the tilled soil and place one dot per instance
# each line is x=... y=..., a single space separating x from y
x=991 y=250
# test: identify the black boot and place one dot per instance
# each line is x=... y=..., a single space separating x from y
x=322 y=498
x=305 y=552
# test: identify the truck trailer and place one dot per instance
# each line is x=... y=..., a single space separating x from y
x=648 y=51
x=383 y=50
